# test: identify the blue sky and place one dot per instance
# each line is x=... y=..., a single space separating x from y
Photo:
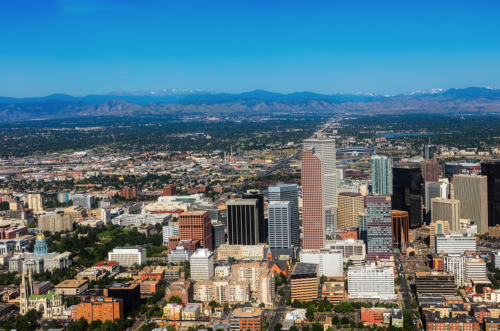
x=388 y=47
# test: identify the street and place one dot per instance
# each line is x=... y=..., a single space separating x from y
x=406 y=291
x=281 y=309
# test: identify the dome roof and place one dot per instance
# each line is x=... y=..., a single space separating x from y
x=40 y=236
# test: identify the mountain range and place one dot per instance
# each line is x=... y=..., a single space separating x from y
x=472 y=100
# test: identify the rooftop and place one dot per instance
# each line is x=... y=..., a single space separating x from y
x=305 y=268
x=72 y=283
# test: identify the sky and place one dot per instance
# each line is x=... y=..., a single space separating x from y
x=387 y=47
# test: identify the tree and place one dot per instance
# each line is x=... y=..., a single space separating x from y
x=414 y=304
x=344 y=307
x=323 y=279
x=352 y=324
x=22 y=323
x=311 y=309
x=412 y=253
x=410 y=277
x=226 y=307
x=317 y=327
x=361 y=325
x=278 y=327
x=335 y=320
x=53 y=324
x=321 y=306
x=293 y=328
x=175 y=299
x=305 y=328
x=281 y=292
x=329 y=328
x=344 y=321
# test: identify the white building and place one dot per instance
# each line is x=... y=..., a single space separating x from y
x=330 y=261
x=202 y=264
x=83 y=200
x=348 y=247
x=171 y=230
x=455 y=242
x=288 y=192
x=179 y=254
x=371 y=282
x=142 y=218
x=455 y=263
x=128 y=256
x=475 y=269
x=495 y=259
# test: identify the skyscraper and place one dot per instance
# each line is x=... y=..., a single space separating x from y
x=326 y=148
x=430 y=151
x=313 y=199
x=379 y=227
x=472 y=192
x=350 y=205
x=196 y=225
x=491 y=170
x=256 y=194
x=381 y=174
x=430 y=171
x=362 y=230
x=242 y=222
x=36 y=201
x=288 y=192
x=407 y=193
x=434 y=190
x=446 y=210
x=280 y=231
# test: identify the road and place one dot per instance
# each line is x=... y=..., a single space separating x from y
x=406 y=291
x=269 y=171
x=281 y=308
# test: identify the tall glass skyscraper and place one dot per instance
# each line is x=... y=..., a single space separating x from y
x=280 y=233
x=288 y=192
x=379 y=227
x=491 y=170
x=381 y=175
x=407 y=193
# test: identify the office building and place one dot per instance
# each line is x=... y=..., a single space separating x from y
x=455 y=263
x=130 y=193
x=218 y=235
x=304 y=282
x=179 y=255
x=446 y=210
x=334 y=292
x=242 y=222
x=350 y=205
x=54 y=222
x=455 y=242
x=247 y=318
x=472 y=192
x=170 y=230
x=313 y=199
x=434 y=190
x=128 y=256
x=400 y=228
x=72 y=287
x=262 y=221
x=202 y=264
x=381 y=175
x=330 y=261
x=430 y=151
x=130 y=293
x=169 y=191
x=288 y=192
x=36 y=201
x=491 y=169
x=379 y=227
x=407 y=193
x=371 y=282
x=435 y=283
x=197 y=226
x=83 y=200
x=436 y=228
x=430 y=171
x=280 y=231
x=330 y=224
x=475 y=269
x=326 y=149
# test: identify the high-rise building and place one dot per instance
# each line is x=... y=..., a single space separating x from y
x=350 y=205
x=475 y=269
x=197 y=226
x=330 y=261
x=381 y=175
x=83 y=200
x=407 y=193
x=130 y=193
x=491 y=170
x=313 y=199
x=379 y=227
x=55 y=222
x=455 y=263
x=430 y=151
x=430 y=171
x=362 y=230
x=202 y=264
x=280 y=228
x=263 y=227
x=36 y=201
x=446 y=210
x=434 y=190
x=218 y=235
x=304 y=281
x=436 y=228
x=400 y=228
x=288 y=192
x=472 y=192
x=326 y=148
x=242 y=222
x=100 y=309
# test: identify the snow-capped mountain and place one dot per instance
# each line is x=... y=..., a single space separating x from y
x=161 y=93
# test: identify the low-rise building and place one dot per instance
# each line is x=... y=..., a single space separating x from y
x=434 y=321
x=179 y=255
x=375 y=315
x=72 y=287
x=191 y=312
x=149 y=287
x=128 y=256
x=247 y=319
x=334 y=292
x=100 y=308
x=330 y=261
x=109 y=266
x=184 y=289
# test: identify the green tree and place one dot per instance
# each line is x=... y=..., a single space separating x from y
x=335 y=320
x=361 y=325
x=414 y=304
x=311 y=309
x=293 y=328
x=281 y=292
x=352 y=324
x=317 y=327
x=321 y=306
x=412 y=253
x=323 y=279
x=175 y=299
x=278 y=327
x=344 y=321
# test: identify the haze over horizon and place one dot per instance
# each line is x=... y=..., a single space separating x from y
x=383 y=48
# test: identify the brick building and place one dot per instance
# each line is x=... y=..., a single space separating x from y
x=100 y=308
x=169 y=191
x=130 y=193
x=184 y=289
x=197 y=226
